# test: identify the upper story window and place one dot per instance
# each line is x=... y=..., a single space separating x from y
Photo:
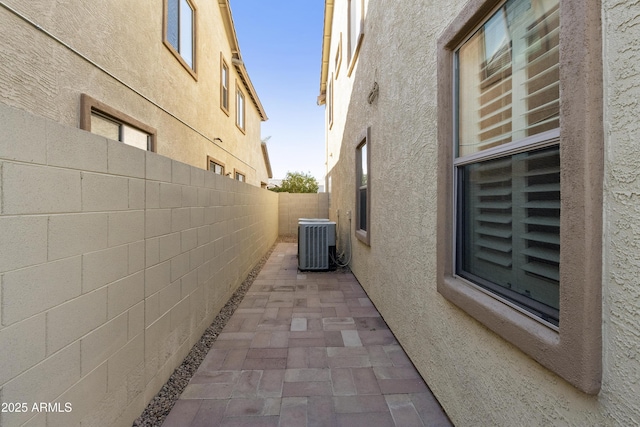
x=224 y=85
x=520 y=168
x=180 y=26
x=216 y=166
x=363 y=199
x=240 y=110
x=240 y=176
x=356 y=31
x=106 y=121
x=330 y=100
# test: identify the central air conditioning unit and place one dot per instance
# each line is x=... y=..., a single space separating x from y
x=316 y=244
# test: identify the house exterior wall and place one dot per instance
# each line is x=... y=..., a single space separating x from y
x=293 y=206
x=113 y=261
x=113 y=51
x=478 y=377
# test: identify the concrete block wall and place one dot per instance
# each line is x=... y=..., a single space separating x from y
x=113 y=261
x=292 y=206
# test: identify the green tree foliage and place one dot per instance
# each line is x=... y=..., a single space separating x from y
x=297 y=182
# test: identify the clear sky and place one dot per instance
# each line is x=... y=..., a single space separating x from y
x=281 y=45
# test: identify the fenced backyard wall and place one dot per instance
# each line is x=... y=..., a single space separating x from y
x=113 y=261
x=300 y=205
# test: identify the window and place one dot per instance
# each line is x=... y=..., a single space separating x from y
x=179 y=23
x=356 y=31
x=224 y=85
x=330 y=100
x=103 y=120
x=338 y=59
x=363 y=201
x=239 y=176
x=240 y=109
x=215 y=166
x=520 y=177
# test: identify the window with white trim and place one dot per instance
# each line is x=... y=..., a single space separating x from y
x=224 y=85
x=240 y=120
x=180 y=31
x=507 y=161
x=363 y=200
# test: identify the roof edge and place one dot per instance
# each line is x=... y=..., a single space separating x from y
x=326 y=47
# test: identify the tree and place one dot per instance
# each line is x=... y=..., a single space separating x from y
x=297 y=182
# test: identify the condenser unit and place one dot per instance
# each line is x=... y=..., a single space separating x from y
x=316 y=244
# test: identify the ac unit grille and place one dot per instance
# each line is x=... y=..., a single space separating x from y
x=314 y=242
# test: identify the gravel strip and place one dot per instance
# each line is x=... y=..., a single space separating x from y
x=159 y=407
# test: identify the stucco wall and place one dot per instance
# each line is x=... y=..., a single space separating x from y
x=479 y=378
x=293 y=206
x=113 y=261
x=115 y=53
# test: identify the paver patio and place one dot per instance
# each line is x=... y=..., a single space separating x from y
x=306 y=349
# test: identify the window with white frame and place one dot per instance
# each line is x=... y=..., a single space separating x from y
x=224 y=85
x=240 y=118
x=216 y=166
x=507 y=161
x=180 y=31
x=520 y=167
x=356 y=30
x=240 y=176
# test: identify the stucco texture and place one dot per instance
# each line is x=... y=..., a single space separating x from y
x=479 y=378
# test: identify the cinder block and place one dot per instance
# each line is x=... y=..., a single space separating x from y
x=157 y=222
x=189 y=196
x=137 y=199
x=32 y=290
x=75 y=234
x=180 y=173
x=75 y=149
x=125 y=227
x=189 y=239
x=168 y=297
x=188 y=283
x=61 y=371
x=97 y=346
x=170 y=195
x=180 y=219
x=203 y=235
x=22 y=345
x=196 y=258
x=180 y=313
x=103 y=267
x=70 y=321
x=122 y=363
x=136 y=257
x=152 y=251
x=23 y=243
x=125 y=293
x=204 y=197
x=152 y=194
x=104 y=192
x=85 y=396
x=170 y=246
x=157 y=277
x=28 y=189
x=155 y=336
x=125 y=160
x=197 y=176
x=158 y=168
x=136 y=320
x=197 y=217
x=151 y=309
x=23 y=136
x=179 y=266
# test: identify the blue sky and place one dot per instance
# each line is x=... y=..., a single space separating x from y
x=281 y=45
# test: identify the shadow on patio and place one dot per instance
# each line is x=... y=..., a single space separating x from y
x=305 y=349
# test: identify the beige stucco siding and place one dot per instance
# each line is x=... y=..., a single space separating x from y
x=479 y=378
x=114 y=52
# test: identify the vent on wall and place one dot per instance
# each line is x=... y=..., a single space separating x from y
x=316 y=244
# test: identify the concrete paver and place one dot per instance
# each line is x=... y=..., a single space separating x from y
x=306 y=349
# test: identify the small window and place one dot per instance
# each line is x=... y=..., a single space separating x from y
x=240 y=176
x=240 y=119
x=103 y=120
x=356 y=31
x=363 y=200
x=224 y=85
x=180 y=19
x=338 y=59
x=216 y=166
x=330 y=100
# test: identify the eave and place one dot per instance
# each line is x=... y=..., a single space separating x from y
x=326 y=48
